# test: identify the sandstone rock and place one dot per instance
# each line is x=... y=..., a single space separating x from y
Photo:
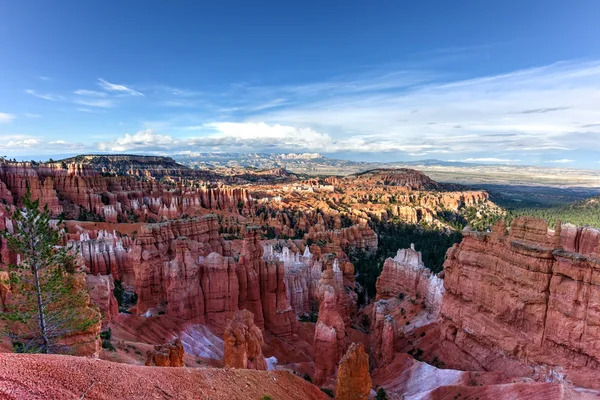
x=101 y=289
x=166 y=355
x=220 y=287
x=243 y=343
x=353 y=380
x=406 y=274
x=519 y=303
x=384 y=330
x=329 y=337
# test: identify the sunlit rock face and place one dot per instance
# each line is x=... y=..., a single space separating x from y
x=353 y=380
x=525 y=302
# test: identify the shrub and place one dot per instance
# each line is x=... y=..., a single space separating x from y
x=381 y=394
x=107 y=334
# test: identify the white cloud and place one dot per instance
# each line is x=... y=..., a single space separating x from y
x=6 y=118
x=30 y=115
x=143 y=140
x=17 y=143
x=11 y=142
x=113 y=87
x=104 y=103
x=561 y=161
x=45 y=96
x=538 y=109
x=90 y=93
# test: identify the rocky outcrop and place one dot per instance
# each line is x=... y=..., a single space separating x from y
x=407 y=275
x=101 y=289
x=407 y=378
x=220 y=287
x=262 y=288
x=355 y=237
x=404 y=177
x=384 y=330
x=353 y=380
x=524 y=302
x=329 y=336
x=243 y=343
x=166 y=355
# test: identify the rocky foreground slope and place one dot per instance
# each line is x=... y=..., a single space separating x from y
x=56 y=377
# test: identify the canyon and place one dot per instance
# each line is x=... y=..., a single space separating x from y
x=249 y=275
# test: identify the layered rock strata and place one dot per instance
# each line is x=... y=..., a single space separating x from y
x=526 y=302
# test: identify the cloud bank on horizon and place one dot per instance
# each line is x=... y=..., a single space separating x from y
x=545 y=115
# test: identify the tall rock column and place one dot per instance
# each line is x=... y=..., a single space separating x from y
x=329 y=336
x=243 y=343
x=353 y=380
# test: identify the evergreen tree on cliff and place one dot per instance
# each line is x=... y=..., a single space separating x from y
x=48 y=303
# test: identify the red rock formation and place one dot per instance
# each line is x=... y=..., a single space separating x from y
x=263 y=290
x=220 y=287
x=329 y=337
x=519 y=303
x=166 y=355
x=406 y=274
x=101 y=289
x=353 y=380
x=243 y=343
x=406 y=377
x=356 y=236
x=384 y=331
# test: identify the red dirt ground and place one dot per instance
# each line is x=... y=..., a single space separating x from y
x=28 y=376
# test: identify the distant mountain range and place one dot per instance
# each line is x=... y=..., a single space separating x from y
x=305 y=163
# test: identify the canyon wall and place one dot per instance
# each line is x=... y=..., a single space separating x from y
x=525 y=302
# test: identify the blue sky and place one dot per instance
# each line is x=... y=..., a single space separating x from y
x=514 y=82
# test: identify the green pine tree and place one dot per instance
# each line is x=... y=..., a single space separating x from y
x=49 y=303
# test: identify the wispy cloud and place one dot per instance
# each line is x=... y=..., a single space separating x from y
x=30 y=115
x=6 y=118
x=561 y=161
x=113 y=87
x=45 y=96
x=104 y=103
x=542 y=110
x=90 y=93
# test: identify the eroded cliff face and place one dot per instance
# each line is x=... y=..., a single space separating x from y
x=76 y=189
x=525 y=302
